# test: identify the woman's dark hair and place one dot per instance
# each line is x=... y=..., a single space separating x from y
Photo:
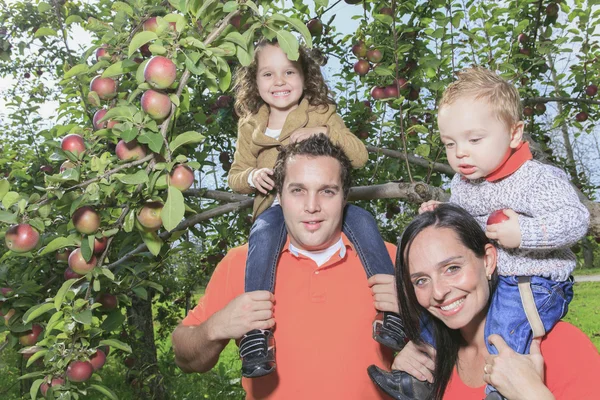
x=316 y=91
x=447 y=341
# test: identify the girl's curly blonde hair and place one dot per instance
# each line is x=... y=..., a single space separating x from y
x=248 y=100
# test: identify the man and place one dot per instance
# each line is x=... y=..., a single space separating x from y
x=323 y=304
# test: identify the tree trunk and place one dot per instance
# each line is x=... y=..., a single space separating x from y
x=140 y=320
x=588 y=253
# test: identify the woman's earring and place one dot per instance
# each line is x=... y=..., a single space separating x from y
x=489 y=277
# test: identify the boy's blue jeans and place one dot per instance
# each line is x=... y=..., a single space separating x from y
x=268 y=236
x=506 y=315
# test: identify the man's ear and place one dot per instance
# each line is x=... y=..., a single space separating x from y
x=516 y=134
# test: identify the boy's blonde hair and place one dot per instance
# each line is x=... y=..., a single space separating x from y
x=484 y=84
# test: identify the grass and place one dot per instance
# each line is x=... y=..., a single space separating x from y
x=586 y=271
x=223 y=382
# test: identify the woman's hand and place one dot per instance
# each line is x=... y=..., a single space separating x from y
x=261 y=179
x=515 y=375
x=418 y=361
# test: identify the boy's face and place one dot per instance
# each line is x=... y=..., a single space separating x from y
x=476 y=140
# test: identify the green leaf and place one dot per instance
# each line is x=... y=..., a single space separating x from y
x=134 y=179
x=115 y=69
x=205 y=5
x=104 y=390
x=140 y=39
x=139 y=75
x=230 y=6
x=8 y=217
x=289 y=44
x=174 y=99
x=37 y=355
x=129 y=134
x=301 y=27
x=113 y=321
x=141 y=292
x=117 y=344
x=152 y=139
x=44 y=31
x=129 y=222
x=123 y=112
x=86 y=248
x=383 y=71
x=423 y=150
x=108 y=273
x=76 y=70
x=4 y=188
x=174 y=209
x=244 y=57
x=58 y=243
x=36 y=311
x=157 y=49
x=121 y=6
x=84 y=317
x=73 y=19
x=35 y=387
x=43 y=7
x=153 y=242
x=185 y=138
x=30 y=375
x=62 y=292
x=237 y=38
x=10 y=199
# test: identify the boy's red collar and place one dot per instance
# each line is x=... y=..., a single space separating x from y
x=513 y=160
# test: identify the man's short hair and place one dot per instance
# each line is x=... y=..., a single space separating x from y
x=315 y=146
x=483 y=84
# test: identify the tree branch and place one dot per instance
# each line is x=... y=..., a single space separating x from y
x=439 y=167
x=533 y=100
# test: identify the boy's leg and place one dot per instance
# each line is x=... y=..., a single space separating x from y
x=507 y=315
x=361 y=228
x=267 y=237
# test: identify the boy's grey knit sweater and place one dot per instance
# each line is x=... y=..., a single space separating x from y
x=551 y=217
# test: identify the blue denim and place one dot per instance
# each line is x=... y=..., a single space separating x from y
x=506 y=316
x=268 y=236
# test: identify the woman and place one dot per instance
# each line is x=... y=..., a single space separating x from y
x=446 y=269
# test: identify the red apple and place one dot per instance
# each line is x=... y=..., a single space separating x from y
x=361 y=67
x=224 y=101
x=591 y=90
x=540 y=108
x=391 y=91
x=528 y=111
x=70 y=274
x=149 y=216
x=581 y=116
x=9 y=315
x=236 y=21
x=378 y=93
x=21 y=238
x=63 y=255
x=129 y=362
x=524 y=51
x=29 y=338
x=102 y=52
x=413 y=94
x=374 y=55
x=151 y=25
x=402 y=84
x=157 y=105
x=6 y=291
x=130 y=151
x=27 y=75
x=80 y=371
x=66 y=165
x=353 y=1
x=386 y=11
x=315 y=27
x=160 y=72
x=73 y=143
x=109 y=301
x=105 y=87
x=78 y=264
x=100 y=244
x=522 y=38
x=359 y=49
x=145 y=50
x=104 y=124
x=497 y=217
x=552 y=10
x=98 y=359
x=224 y=157
x=47 y=169
x=54 y=382
x=182 y=177
x=86 y=220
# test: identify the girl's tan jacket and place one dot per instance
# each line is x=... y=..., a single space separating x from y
x=256 y=150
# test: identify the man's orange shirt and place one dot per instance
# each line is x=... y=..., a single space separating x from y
x=323 y=330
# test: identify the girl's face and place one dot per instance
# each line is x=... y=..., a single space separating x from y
x=449 y=280
x=280 y=81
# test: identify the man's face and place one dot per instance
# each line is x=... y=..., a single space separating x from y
x=312 y=200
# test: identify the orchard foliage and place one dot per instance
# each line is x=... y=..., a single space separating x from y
x=116 y=186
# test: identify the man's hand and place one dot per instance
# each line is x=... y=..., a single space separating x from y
x=507 y=233
x=248 y=311
x=304 y=133
x=418 y=361
x=515 y=375
x=383 y=288
x=429 y=206
x=261 y=179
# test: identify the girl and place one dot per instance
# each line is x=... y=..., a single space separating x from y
x=280 y=101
